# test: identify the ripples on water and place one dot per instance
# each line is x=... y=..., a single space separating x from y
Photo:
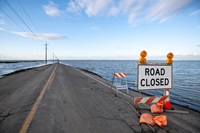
x=186 y=77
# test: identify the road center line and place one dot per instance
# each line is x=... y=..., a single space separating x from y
x=31 y=114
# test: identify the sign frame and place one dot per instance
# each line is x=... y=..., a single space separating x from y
x=155 y=65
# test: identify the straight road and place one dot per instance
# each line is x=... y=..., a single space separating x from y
x=75 y=103
x=71 y=103
x=61 y=99
x=18 y=93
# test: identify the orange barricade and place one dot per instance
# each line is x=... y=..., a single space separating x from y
x=121 y=81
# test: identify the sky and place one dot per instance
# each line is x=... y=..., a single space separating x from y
x=99 y=29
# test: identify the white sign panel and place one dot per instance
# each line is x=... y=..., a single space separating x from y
x=154 y=76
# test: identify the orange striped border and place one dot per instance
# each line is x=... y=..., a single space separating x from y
x=148 y=100
x=120 y=75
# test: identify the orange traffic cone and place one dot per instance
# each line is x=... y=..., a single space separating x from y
x=167 y=104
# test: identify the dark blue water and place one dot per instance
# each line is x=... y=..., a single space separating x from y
x=186 y=77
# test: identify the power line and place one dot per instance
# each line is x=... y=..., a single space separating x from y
x=28 y=15
x=12 y=19
x=22 y=20
x=25 y=24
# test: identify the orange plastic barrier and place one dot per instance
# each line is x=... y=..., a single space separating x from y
x=147 y=118
x=160 y=120
x=157 y=107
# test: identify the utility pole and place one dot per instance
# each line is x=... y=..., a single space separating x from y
x=46 y=53
x=53 y=57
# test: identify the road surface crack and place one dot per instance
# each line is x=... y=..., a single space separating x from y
x=17 y=110
x=3 y=117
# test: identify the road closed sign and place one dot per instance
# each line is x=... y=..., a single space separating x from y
x=154 y=76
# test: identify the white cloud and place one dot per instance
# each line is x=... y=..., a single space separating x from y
x=135 y=10
x=1 y=29
x=198 y=27
x=92 y=7
x=98 y=7
x=44 y=36
x=51 y=9
x=196 y=12
x=165 y=9
x=73 y=7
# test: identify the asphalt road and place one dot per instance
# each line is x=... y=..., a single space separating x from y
x=18 y=92
x=67 y=101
